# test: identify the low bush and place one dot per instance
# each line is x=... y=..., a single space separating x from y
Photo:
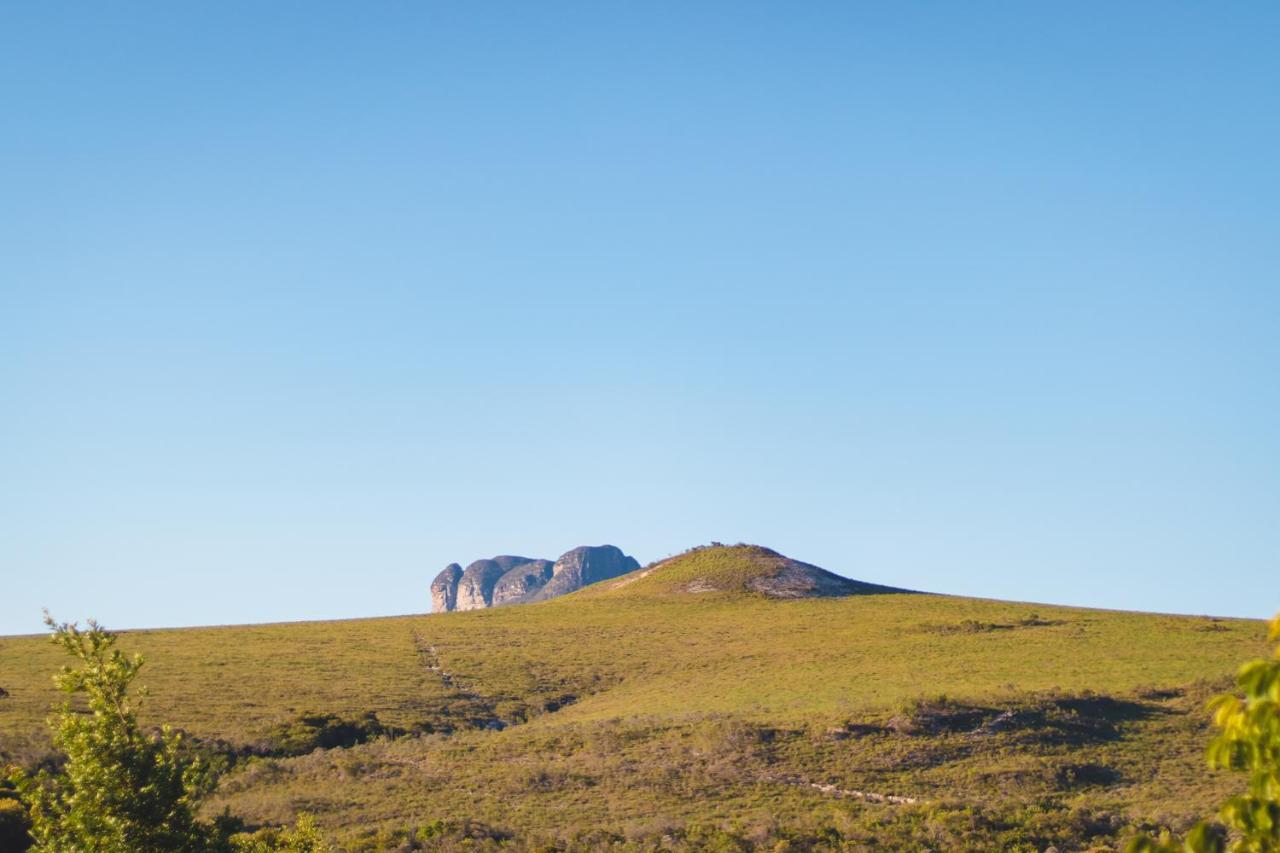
x=14 y=823
x=311 y=731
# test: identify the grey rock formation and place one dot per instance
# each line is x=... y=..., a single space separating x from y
x=509 y=579
x=517 y=585
x=509 y=562
x=585 y=565
x=475 y=587
x=444 y=589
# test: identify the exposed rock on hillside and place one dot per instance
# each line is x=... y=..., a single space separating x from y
x=522 y=581
x=509 y=579
x=585 y=565
x=444 y=589
x=475 y=588
x=793 y=579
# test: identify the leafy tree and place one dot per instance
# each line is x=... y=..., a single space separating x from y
x=1248 y=741
x=121 y=789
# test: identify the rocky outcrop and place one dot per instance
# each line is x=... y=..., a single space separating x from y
x=444 y=589
x=508 y=579
x=475 y=587
x=585 y=565
x=517 y=585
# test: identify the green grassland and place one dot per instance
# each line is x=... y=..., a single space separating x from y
x=638 y=715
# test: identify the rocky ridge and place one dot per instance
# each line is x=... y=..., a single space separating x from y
x=509 y=579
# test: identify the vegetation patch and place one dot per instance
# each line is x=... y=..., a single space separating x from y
x=311 y=731
x=978 y=626
x=1070 y=719
x=1072 y=776
x=13 y=821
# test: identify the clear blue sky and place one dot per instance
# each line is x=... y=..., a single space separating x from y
x=301 y=301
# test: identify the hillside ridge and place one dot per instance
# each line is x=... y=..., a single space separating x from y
x=740 y=569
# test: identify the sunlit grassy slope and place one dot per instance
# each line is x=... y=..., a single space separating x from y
x=642 y=710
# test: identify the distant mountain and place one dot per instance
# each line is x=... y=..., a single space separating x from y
x=509 y=579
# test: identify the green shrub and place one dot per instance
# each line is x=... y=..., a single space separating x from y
x=122 y=789
x=310 y=731
x=14 y=824
x=304 y=837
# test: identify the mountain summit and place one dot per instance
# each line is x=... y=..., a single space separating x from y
x=508 y=579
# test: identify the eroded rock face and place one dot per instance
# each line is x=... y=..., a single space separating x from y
x=519 y=583
x=475 y=588
x=585 y=565
x=444 y=589
x=508 y=579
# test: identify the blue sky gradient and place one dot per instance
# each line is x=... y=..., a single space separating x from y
x=299 y=302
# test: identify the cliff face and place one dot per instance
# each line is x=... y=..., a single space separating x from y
x=585 y=565
x=475 y=587
x=522 y=581
x=444 y=589
x=508 y=579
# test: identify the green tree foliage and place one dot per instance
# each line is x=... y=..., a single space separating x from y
x=123 y=789
x=1249 y=742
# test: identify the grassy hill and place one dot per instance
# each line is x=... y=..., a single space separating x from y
x=681 y=707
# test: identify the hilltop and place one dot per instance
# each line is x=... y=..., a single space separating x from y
x=696 y=700
x=738 y=569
